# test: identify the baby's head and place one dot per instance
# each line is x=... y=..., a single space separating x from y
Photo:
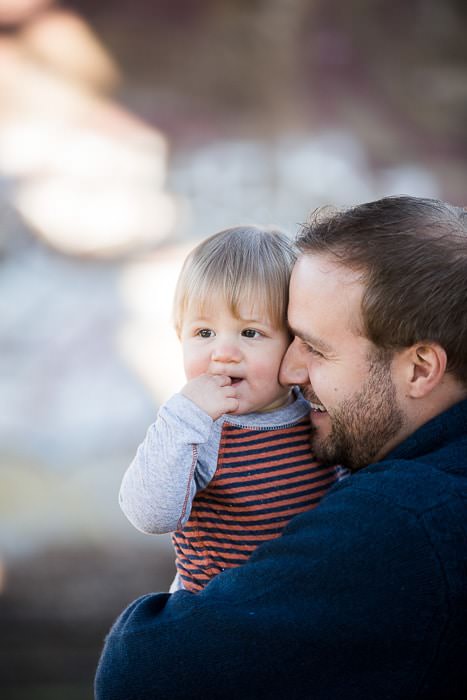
x=230 y=311
x=241 y=265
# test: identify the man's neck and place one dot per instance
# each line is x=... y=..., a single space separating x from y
x=421 y=411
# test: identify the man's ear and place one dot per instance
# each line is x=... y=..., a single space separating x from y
x=425 y=368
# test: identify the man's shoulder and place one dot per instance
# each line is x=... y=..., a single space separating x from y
x=385 y=515
x=416 y=485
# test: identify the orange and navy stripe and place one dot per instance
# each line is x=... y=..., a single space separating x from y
x=263 y=479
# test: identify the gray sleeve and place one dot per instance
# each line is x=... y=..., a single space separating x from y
x=171 y=465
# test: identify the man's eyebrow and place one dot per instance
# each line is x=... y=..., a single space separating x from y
x=310 y=339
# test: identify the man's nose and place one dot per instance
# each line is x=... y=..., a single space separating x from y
x=226 y=352
x=293 y=369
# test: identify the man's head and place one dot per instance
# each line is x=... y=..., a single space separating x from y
x=378 y=305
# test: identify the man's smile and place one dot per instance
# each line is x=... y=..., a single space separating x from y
x=313 y=400
x=317 y=407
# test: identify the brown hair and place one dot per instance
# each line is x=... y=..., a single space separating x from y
x=243 y=264
x=412 y=256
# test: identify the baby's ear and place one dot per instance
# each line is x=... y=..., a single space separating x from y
x=425 y=368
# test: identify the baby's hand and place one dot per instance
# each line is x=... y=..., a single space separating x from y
x=214 y=394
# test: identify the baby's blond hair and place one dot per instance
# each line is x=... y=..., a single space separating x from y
x=244 y=264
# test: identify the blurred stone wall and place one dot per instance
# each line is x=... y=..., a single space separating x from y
x=393 y=73
x=213 y=112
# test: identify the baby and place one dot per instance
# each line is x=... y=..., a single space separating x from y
x=228 y=461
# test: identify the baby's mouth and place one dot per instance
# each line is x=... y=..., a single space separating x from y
x=236 y=380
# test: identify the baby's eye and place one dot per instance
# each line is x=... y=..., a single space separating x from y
x=250 y=333
x=205 y=333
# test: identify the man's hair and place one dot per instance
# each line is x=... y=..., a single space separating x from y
x=412 y=257
x=242 y=265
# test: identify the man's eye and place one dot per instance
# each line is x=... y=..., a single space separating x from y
x=205 y=333
x=250 y=333
x=312 y=350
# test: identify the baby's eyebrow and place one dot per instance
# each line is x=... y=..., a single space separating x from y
x=199 y=319
x=263 y=321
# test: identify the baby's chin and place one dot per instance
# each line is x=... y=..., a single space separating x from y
x=245 y=409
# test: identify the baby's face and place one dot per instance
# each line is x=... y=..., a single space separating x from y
x=248 y=349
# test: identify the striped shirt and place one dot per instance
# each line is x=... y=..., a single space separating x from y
x=264 y=477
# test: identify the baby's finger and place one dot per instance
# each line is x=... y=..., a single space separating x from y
x=222 y=379
x=231 y=405
x=229 y=390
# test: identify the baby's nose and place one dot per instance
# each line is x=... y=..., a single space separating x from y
x=226 y=352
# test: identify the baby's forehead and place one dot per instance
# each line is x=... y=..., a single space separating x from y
x=243 y=309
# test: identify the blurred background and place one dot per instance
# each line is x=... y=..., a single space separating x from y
x=128 y=131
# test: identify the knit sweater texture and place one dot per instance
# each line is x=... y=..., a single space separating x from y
x=363 y=597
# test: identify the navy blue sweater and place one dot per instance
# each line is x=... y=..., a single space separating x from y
x=364 y=597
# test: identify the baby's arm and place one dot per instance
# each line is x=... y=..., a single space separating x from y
x=159 y=486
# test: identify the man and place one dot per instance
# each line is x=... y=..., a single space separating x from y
x=365 y=596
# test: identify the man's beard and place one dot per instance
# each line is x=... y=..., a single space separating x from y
x=362 y=424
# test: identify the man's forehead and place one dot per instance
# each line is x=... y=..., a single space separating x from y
x=323 y=291
x=327 y=266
